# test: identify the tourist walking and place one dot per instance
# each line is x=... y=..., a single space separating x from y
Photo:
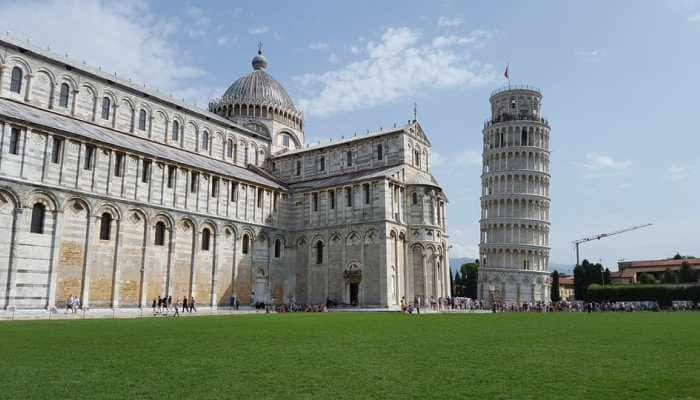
x=184 y=304
x=154 y=306
x=69 y=303
x=192 y=305
x=177 y=313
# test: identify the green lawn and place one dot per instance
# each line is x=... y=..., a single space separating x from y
x=356 y=355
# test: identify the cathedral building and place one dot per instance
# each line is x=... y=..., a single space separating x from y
x=118 y=194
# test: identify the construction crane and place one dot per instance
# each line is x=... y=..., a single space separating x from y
x=604 y=235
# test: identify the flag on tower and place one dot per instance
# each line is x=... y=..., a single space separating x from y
x=506 y=72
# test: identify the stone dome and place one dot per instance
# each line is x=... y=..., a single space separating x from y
x=259 y=88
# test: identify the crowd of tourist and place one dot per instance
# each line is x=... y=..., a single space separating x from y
x=293 y=307
x=165 y=306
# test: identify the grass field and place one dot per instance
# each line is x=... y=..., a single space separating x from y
x=356 y=355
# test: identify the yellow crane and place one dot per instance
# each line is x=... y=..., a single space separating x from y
x=604 y=235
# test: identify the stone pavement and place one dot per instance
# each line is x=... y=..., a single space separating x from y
x=98 y=313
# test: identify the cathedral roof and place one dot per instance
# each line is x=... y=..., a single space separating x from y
x=64 y=124
x=258 y=88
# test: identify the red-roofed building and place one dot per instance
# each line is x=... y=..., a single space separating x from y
x=629 y=271
x=566 y=288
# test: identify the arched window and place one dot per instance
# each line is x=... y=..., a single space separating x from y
x=523 y=137
x=106 y=103
x=176 y=131
x=229 y=148
x=105 y=226
x=206 y=236
x=319 y=252
x=348 y=157
x=16 y=80
x=38 y=214
x=160 y=234
x=142 y=120
x=415 y=198
x=278 y=248
x=246 y=244
x=380 y=152
x=205 y=140
x=63 y=95
x=285 y=140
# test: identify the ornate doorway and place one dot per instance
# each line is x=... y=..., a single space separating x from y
x=353 y=278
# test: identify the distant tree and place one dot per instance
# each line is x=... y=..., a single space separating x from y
x=555 y=295
x=678 y=256
x=585 y=275
x=470 y=277
x=452 y=285
x=606 y=277
x=646 y=279
x=668 y=276
x=687 y=274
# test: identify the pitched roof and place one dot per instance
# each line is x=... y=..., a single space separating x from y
x=658 y=263
x=74 y=127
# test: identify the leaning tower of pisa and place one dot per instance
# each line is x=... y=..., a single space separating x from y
x=514 y=245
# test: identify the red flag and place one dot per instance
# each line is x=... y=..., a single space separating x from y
x=506 y=72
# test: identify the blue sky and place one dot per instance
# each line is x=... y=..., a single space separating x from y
x=619 y=80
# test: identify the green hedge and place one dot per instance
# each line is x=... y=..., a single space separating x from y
x=663 y=294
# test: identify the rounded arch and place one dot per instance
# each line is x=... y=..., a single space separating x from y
x=128 y=101
x=229 y=229
x=48 y=199
x=49 y=73
x=7 y=193
x=162 y=217
x=17 y=61
x=110 y=208
x=207 y=223
x=189 y=223
x=159 y=112
x=138 y=213
x=77 y=202
x=110 y=94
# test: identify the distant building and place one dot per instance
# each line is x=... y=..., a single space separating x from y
x=629 y=271
x=566 y=288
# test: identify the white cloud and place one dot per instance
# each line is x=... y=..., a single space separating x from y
x=678 y=173
x=600 y=165
x=258 y=30
x=588 y=53
x=398 y=65
x=452 y=40
x=196 y=16
x=125 y=37
x=333 y=58
x=694 y=18
x=355 y=49
x=598 y=162
x=318 y=46
x=450 y=22
x=225 y=39
x=196 y=21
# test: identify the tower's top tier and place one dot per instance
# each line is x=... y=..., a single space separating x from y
x=515 y=102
